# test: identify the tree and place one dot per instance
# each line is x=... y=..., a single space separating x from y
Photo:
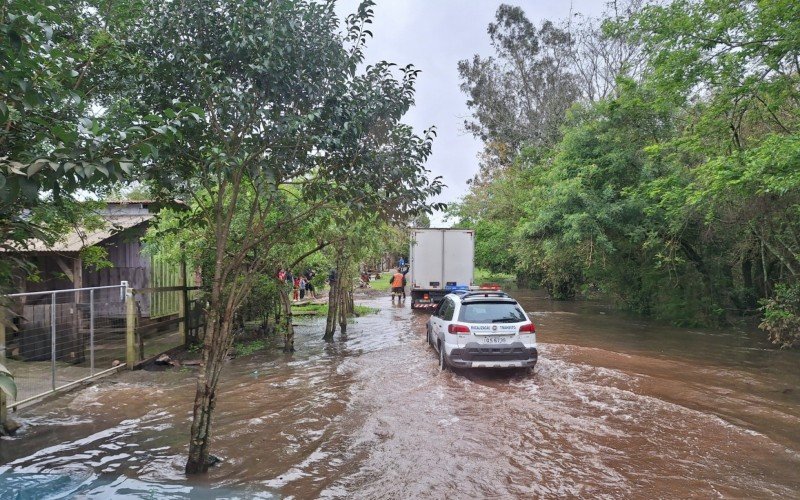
x=289 y=127
x=421 y=220
x=521 y=95
x=733 y=68
x=362 y=239
x=603 y=50
x=60 y=130
x=673 y=185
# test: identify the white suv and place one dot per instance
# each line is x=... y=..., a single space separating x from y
x=482 y=329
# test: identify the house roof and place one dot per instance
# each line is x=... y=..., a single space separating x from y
x=76 y=240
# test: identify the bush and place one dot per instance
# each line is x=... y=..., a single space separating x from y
x=782 y=316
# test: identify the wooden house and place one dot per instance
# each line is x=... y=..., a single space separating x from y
x=60 y=268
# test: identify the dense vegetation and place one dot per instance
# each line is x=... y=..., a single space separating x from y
x=662 y=170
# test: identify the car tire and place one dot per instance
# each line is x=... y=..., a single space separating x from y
x=442 y=359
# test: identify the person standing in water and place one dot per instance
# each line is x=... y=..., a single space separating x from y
x=398 y=283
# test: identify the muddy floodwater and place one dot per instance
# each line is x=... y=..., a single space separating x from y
x=617 y=407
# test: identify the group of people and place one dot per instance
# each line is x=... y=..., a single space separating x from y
x=301 y=284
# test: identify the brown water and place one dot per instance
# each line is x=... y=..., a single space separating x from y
x=618 y=407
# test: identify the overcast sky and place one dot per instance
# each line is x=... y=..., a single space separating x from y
x=434 y=35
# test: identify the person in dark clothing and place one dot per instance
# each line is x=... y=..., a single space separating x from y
x=310 y=286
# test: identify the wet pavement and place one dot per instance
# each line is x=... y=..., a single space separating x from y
x=617 y=407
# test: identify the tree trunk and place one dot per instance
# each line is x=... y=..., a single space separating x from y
x=342 y=296
x=764 y=271
x=278 y=307
x=747 y=274
x=287 y=328
x=333 y=303
x=215 y=348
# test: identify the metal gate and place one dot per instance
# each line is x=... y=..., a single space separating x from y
x=55 y=339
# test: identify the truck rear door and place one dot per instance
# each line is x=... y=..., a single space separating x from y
x=426 y=269
x=459 y=254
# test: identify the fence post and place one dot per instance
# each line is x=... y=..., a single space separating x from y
x=53 y=338
x=3 y=411
x=183 y=303
x=130 y=327
x=91 y=331
x=76 y=350
x=2 y=332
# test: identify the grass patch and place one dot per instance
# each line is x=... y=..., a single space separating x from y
x=486 y=276
x=249 y=347
x=309 y=309
x=480 y=276
x=322 y=310
x=382 y=284
x=365 y=311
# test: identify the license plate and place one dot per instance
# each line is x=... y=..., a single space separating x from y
x=495 y=340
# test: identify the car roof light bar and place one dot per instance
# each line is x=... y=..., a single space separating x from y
x=485 y=293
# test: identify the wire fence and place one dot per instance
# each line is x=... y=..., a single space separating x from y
x=55 y=339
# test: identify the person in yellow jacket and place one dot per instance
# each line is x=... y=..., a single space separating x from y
x=398 y=281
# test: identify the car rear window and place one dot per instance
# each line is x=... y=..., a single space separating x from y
x=491 y=312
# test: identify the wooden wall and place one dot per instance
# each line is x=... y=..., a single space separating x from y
x=35 y=336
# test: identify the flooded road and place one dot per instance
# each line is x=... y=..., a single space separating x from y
x=617 y=407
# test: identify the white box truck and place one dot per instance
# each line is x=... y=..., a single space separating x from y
x=441 y=260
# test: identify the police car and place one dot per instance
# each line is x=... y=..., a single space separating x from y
x=482 y=329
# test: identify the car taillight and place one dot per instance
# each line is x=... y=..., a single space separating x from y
x=458 y=329
x=527 y=328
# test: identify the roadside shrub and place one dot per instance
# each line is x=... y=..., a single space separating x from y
x=782 y=316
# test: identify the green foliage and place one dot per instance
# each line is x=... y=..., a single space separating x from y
x=493 y=245
x=782 y=316
x=7 y=383
x=360 y=310
x=487 y=276
x=94 y=257
x=322 y=310
x=383 y=284
x=421 y=220
x=63 y=127
x=249 y=347
x=677 y=194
